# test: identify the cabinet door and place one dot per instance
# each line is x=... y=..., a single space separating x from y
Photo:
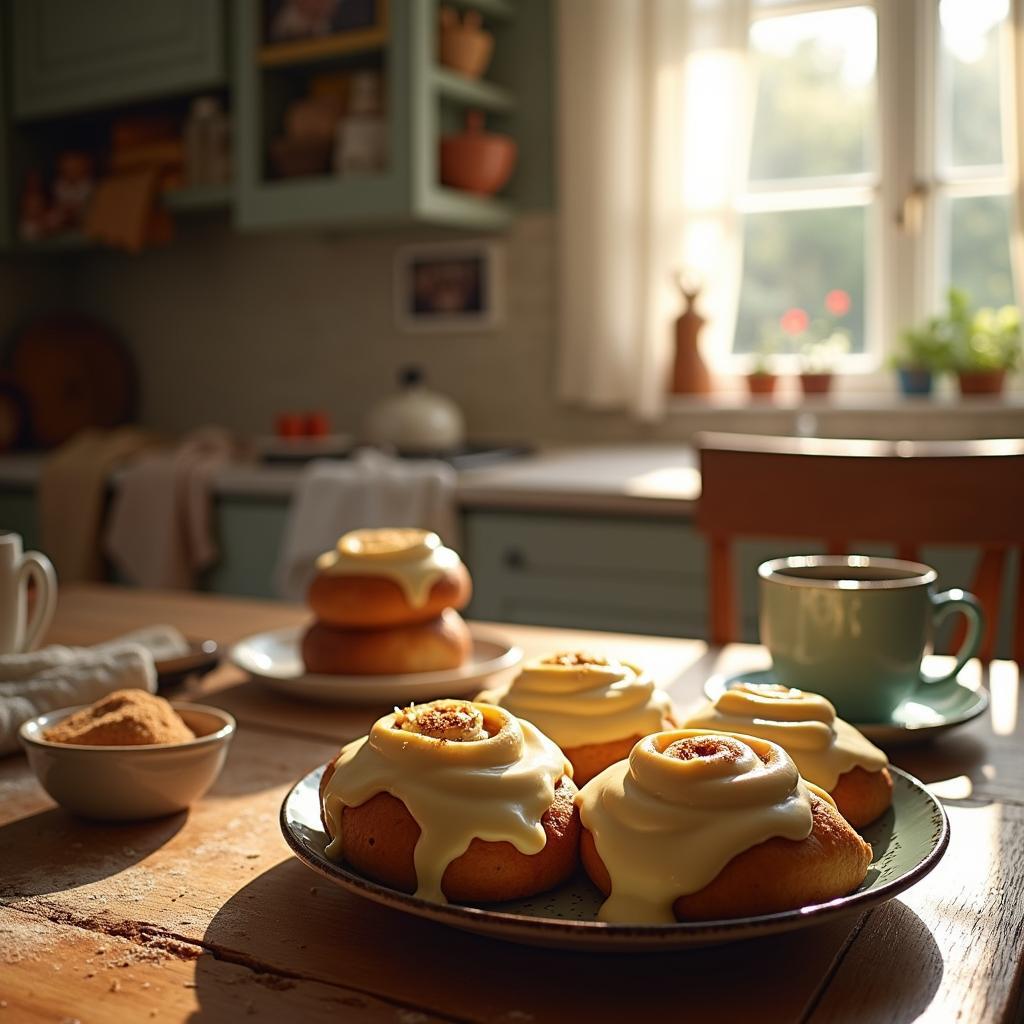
x=588 y=572
x=70 y=55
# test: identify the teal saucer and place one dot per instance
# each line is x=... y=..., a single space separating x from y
x=915 y=720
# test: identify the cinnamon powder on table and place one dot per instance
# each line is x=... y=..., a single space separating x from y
x=122 y=718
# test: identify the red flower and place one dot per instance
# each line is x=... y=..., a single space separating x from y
x=795 y=321
x=837 y=302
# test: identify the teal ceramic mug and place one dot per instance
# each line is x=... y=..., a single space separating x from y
x=855 y=629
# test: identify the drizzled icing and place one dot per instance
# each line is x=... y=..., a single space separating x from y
x=665 y=826
x=804 y=724
x=578 y=699
x=414 y=559
x=495 y=788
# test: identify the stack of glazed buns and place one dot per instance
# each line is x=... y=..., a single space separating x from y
x=387 y=602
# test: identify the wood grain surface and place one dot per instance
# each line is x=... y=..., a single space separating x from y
x=204 y=916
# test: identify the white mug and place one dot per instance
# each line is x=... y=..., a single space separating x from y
x=16 y=569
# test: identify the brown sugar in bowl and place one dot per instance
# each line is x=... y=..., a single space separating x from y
x=131 y=782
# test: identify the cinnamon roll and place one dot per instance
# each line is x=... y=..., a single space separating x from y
x=453 y=800
x=699 y=825
x=386 y=601
x=595 y=708
x=387 y=577
x=829 y=752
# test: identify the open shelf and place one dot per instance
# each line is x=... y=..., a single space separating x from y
x=443 y=205
x=473 y=92
x=309 y=51
x=198 y=197
x=66 y=241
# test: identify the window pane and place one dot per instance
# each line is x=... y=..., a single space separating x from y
x=794 y=259
x=979 y=258
x=970 y=125
x=815 y=93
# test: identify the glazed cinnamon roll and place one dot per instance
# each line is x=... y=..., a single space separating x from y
x=595 y=708
x=829 y=752
x=453 y=800
x=387 y=577
x=698 y=825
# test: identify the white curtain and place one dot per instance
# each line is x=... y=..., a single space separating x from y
x=655 y=101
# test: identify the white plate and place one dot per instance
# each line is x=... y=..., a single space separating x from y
x=907 y=840
x=914 y=721
x=275 y=659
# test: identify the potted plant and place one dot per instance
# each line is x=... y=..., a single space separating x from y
x=819 y=343
x=924 y=352
x=980 y=346
x=761 y=378
x=988 y=351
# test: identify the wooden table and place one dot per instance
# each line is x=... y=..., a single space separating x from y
x=205 y=915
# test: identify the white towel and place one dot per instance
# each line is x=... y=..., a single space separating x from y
x=60 y=677
x=160 y=532
x=369 y=490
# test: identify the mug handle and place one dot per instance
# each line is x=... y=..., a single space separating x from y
x=35 y=565
x=944 y=605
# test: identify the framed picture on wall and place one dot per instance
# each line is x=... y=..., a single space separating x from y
x=449 y=286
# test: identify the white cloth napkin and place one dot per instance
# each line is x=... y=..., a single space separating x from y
x=369 y=490
x=60 y=677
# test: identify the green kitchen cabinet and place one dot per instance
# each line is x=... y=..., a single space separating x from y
x=249 y=534
x=615 y=573
x=423 y=101
x=74 y=55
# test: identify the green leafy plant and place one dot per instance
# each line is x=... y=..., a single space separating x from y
x=963 y=340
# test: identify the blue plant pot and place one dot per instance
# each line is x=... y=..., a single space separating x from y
x=915 y=382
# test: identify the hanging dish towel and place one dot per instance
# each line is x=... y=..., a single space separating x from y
x=370 y=490
x=72 y=494
x=160 y=532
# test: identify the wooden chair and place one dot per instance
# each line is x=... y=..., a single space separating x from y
x=908 y=493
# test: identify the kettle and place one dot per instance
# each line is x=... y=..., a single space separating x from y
x=416 y=420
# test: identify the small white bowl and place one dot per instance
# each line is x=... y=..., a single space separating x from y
x=130 y=783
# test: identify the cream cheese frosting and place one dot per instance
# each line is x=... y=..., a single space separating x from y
x=804 y=724
x=464 y=771
x=686 y=802
x=580 y=698
x=414 y=559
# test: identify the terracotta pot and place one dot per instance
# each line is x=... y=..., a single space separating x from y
x=477 y=161
x=761 y=384
x=466 y=46
x=985 y=382
x=816 y=383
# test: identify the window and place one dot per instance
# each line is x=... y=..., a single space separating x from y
x=877 y=171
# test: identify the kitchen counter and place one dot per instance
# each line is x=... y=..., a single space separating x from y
x=648 y=479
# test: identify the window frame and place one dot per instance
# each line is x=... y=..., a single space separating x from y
x=906 y=236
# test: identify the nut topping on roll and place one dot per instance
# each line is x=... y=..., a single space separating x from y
x=668 y=820
x=450 y=720
x=495 y=788
x=823 y=746
x=578 y=698
x=414 y=559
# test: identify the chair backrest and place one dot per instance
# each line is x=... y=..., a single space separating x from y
x=907 y=493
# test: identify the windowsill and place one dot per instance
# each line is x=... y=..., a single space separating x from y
x=867 y=402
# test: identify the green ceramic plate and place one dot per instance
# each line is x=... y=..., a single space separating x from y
x=908 y=842
x=920 y=718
